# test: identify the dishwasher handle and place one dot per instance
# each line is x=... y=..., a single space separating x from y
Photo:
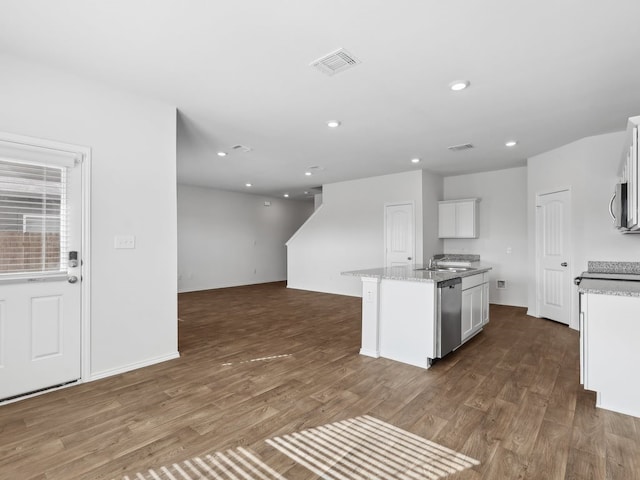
x=451 y=283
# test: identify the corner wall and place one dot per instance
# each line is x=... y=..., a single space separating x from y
x=590 y=168
x=227 y=239
x=347 y=232
x=432 y=193
x=503 y=228
x=133 y=192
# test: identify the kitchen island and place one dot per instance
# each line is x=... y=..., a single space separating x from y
x=400 y=309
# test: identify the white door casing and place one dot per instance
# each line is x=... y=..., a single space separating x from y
x=553 y=255
x=42 y=313
x=399 y=234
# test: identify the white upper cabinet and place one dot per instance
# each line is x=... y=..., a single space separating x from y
x=630 y=174
x=458 y=218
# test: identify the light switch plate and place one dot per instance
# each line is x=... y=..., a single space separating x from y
x=124 y=241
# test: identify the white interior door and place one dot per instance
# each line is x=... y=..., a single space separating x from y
x=399 y=235
x=40 y=294
x=554 y=284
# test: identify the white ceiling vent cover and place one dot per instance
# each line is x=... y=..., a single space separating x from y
x=461 y=147
x=335 y=62
x=241 y=148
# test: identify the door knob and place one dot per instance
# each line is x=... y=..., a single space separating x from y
x=408 y=258
x=72 y=279
x=563 y=264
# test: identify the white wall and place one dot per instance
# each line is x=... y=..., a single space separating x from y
x=133 y=191
x=347 y=232
x=228 y=238
x=503 y=225
x=432 y=192
x=589 y=167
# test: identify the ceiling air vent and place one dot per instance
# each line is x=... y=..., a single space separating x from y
x=461 y=147
x=241 y=148
x=335 y=62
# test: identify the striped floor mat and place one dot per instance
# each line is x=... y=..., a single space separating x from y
x=361 y=448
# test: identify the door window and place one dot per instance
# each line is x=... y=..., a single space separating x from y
x=33 y=218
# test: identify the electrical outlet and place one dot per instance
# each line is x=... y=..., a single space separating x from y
x=124 y=241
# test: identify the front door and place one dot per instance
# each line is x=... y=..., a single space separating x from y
x=399 y=235
x=40 y=267
x=553 y=225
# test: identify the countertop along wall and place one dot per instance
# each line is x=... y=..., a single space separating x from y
x=503 y=229
x=227 y=239
x=133 y=192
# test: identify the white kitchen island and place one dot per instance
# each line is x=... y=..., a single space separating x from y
x=399 y=310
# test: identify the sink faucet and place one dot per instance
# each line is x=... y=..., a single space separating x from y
x=431 y=262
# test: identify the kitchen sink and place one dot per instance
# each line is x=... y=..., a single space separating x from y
x=447 y=269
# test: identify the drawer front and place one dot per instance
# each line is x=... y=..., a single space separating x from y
x=472 y=281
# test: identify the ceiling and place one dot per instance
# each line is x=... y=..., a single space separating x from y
x=544 y=72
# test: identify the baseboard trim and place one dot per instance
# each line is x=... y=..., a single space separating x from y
x=133 y=366
x=369 y=353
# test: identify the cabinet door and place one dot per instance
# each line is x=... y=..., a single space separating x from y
x=485 y=303
x=476 y=308
x=466 y=219
x=632 y=186
x=467 y=309
x=471 y=311
x=446 y=220
x=583 y=339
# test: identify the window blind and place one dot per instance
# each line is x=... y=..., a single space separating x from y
x=33 y=218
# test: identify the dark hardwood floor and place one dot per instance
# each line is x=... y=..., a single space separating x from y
x=264 y=361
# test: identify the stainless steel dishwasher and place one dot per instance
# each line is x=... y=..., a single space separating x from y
x=449 y=316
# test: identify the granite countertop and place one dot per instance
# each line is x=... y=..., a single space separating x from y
x=411 y=273
x=623 y=288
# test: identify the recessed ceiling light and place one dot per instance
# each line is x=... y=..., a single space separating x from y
x=308 y=174
x=306 y=193
x=415 y=160
x=333 y=123
x=248 y=185
x=511 y=143
x=286 y=195
x=222 y=154
x=459 y=85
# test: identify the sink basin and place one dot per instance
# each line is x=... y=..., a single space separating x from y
x=447 y=269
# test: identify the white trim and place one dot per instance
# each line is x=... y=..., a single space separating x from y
x=85 y=284
x=384 y=226
x=133 y=366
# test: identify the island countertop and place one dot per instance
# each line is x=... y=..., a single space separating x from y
x=416 y=273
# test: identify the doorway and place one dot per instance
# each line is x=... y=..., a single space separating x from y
x=43 y=265
x=399 y=238
x=553 y=255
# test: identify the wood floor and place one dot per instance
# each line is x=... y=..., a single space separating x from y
x=510 y=398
